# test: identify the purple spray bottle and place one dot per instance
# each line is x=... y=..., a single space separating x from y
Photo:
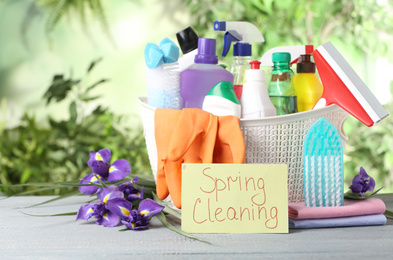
x=199 y=78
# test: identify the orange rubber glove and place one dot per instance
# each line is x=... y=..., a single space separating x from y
x=164 y=122
x=191 y=140
x=192 y=136
x=230 y=147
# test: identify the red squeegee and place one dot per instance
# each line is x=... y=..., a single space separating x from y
x=343 y=87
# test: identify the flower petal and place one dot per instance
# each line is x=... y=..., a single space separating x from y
x=120 y=207
x=119 y=169
x=128 y=224
x=141 y=226
x=137 y=195
x=148 y=207
x=134 y=226
x=136 y=221
x=363 y=172
x=85 y=211
x=88 y=190
x=101 y=168
x=102 y=155
x=126 y=187
x=108 y=193
x=357 y=179
x=109 y=219
x=356 y=187
x=371 y=184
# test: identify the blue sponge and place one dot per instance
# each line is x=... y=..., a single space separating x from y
x=153 y=55
x=170 y=50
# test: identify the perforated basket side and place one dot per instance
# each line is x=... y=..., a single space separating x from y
x=268 y=140
x=147 y=115
x=280 y=140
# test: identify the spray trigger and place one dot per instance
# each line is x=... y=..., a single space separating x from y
x=229 y=37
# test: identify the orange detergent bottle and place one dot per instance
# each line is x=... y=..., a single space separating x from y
x=307 y=85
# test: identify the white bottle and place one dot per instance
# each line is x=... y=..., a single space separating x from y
x=255 y=101
x=187 y=60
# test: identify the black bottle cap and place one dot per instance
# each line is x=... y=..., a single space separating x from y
x=188 y=40
x=305 y=65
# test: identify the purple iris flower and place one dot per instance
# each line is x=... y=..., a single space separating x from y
x=362 y=182
x=100 y=210
x=135 y=219
x=130 y=192
x=101 y=168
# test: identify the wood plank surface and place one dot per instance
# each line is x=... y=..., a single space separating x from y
x=27 y=237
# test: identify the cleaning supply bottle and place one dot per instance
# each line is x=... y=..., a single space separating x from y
x=307 y=85
x=255 y=101
x=241 y=63
x=281 y=90
x=243 y=33
x=199 y=78
x=163 y=75
x=188 y=41
x=222 y=100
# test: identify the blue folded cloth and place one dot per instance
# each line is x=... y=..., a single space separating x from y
x=366 y=220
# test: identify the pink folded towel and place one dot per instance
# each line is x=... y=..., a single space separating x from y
x=297 y=210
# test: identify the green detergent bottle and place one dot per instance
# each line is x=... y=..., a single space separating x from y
x=281 y=90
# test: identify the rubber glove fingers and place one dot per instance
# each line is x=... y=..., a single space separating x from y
x=230 y=147
x=192 y=141
x=164 y=123
x=196 y=128
x=173 y=179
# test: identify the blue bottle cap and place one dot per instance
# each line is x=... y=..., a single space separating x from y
x=242 y=49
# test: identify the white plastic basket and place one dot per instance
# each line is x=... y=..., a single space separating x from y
x=269 y=140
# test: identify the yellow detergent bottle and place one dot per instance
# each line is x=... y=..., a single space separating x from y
x=307 y=85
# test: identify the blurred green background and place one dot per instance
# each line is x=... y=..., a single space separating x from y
x=71 y=72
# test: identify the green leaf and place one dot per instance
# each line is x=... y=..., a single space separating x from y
x=98 y=11
x=53 y=215
x=55 y=15
x=56 y=199
x=93 y=64
x=59 y=88
x=87 y=99
x=96 y=84
x=73 y=112
x=167 y=209
x=388 y=214
x=161 y=217
x=25 y=175
x=356 y=196
x=99 y=179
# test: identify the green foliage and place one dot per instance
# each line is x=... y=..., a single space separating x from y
x=86 y=10
x=33 y=153
x=353 y=23
x=371 y=148
x=58 y=8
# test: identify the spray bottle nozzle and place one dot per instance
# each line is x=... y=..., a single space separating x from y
x=255 y=64
x=241 y=32
x=219 y=26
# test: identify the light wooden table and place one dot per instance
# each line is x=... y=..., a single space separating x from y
x=26 y=237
